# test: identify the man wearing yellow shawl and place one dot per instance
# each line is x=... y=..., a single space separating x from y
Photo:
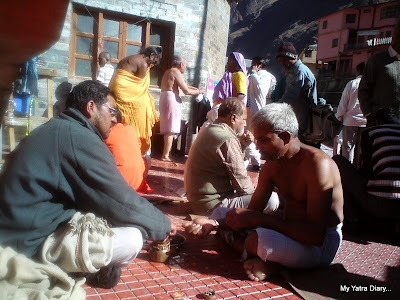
x=130 y=85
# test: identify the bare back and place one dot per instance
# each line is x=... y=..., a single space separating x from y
x=135 y=64
x=172 y=80
x=169 y=80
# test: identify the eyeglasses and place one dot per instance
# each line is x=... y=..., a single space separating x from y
x=113 y=111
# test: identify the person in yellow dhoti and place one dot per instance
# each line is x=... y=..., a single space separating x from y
x=130 y=85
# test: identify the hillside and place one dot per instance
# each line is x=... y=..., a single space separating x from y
x=258 y=26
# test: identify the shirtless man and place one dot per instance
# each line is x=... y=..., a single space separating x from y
x=130 y=84
x=170 y=102
x=138 y=64
x=308 y=232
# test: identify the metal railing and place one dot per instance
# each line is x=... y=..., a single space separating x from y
x=379 y=41
x=369 y=43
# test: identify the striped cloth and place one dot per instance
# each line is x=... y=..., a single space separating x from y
x=384 y=146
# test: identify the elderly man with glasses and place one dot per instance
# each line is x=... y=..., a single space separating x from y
x=63 y=200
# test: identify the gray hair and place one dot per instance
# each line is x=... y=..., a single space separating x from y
x=178 y=60
x=278 y=116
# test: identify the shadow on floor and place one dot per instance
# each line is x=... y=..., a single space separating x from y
x=334 y=282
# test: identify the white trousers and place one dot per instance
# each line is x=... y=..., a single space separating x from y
x=252 y=154
x=126 y=244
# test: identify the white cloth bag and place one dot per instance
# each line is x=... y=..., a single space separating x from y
x=84 y=244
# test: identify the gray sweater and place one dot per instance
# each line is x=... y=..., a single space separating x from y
x=62 y=168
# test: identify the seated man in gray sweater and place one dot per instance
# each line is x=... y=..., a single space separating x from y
x=64 y=201
x=215 y=175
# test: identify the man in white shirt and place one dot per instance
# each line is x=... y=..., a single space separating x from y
x=106 y=70
x=353 y=119
x=261 y=85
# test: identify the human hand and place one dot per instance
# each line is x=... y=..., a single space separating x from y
x=171 y=233
x=200 y=227
x=173 y=229
x=238 y=218
x=247 y=138
x=201 y=91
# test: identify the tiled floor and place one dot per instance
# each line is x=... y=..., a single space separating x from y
x=204 y=264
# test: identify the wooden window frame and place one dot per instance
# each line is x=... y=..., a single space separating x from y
x=98 y=37
x=335 y=43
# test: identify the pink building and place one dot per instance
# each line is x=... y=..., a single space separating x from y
x=352 y=35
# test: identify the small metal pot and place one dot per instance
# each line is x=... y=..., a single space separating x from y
x=159 y=251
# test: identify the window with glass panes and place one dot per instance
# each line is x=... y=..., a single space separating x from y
x=95 y=31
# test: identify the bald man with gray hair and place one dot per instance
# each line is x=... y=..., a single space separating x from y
x=170 y=102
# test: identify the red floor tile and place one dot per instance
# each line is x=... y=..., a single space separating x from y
x=169 y=288
x=248 y=297
x=163 y=296
x=140 y=292
x=156 y=290
x=111 y=296
x=126 y=295
x=135 y=285
x=191 y=292
x=93 y=297
x=90 y=291
x=184 y=286
x=147 y=297
x=225 y=294
x=206 y=264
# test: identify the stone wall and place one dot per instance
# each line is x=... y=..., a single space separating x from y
x=201 y=35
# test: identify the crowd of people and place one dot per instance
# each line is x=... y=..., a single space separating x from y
x=87 y=177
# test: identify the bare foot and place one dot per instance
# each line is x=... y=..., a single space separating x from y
x=166 y=159
x=258 y=270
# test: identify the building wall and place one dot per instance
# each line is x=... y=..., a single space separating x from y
x=325 y=50
x=310 y=62
x=366 y=18
x=385 y=22
x=330 y=85
x=350 y=25
x=338 y=28
x=334 y=23
x=201 y=35
x=358 y=58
